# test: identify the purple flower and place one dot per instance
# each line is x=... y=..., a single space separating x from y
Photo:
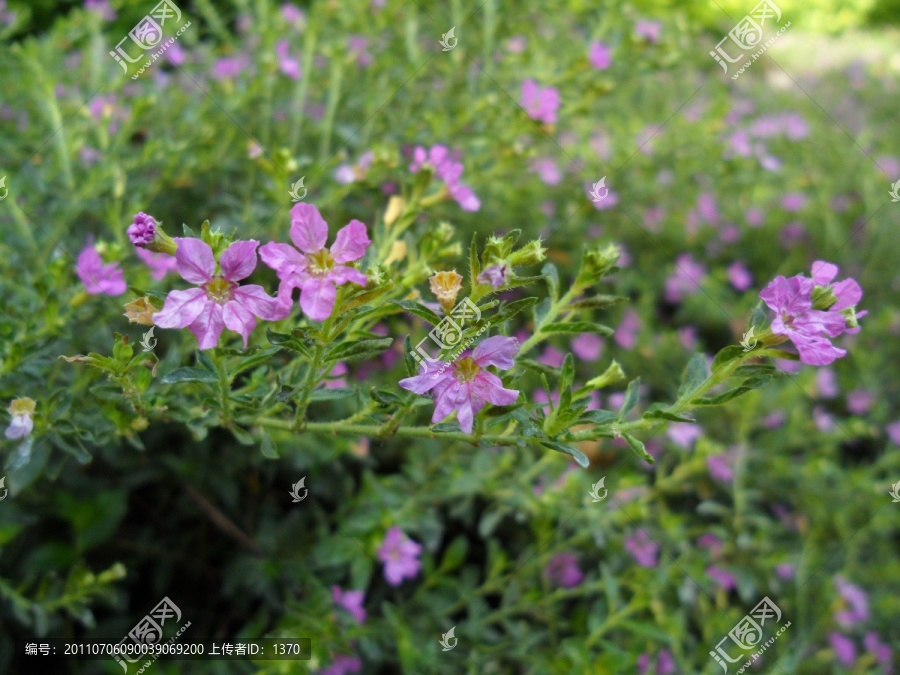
x=785 y=571
x=893 y=432
x=465 y=385
x=142 y=231
x=708 y=208
x=175 y=54
x=710 y=541
x=600 y=55
x=665 y=663
x=342 y=665
x=438 y=159
x=879 y=650
x=101 y=7
x=740 y=276
x=648 y=29
x=808 y=328
x=547 y=170
x=725 y=579
x=21 y=421
x=587 y=346
x=858 y=602
x=644 y=549
x=97 y=277
x=292 y=13
x=794 y=201
x=314 y=269
x=843 y=647
x=400 y=556
x=495 y=275
x=287 y=64
x=541 y=103
x=230 y=67
x=562 y=570
x=352 y=601
x=627 y=332
x=686 y=279
x=826 y=383
x=358 y=46
x=721 y=466
x=847 y=292
x=551 y=356
x=683 y=434
x=755 y=217
x=160 y=264
x=219 y=301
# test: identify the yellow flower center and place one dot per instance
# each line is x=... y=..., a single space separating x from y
x=320 y=263
x=466 y=369
x=219 y=289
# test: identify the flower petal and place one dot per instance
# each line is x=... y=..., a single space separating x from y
x=255 y=300
x=208 y=326
x=281 y=257
x=195 y=260
x=497 y=351
x=181 y=308
x=239 y=260
x=239 y=319
x=341 y=274
x=430 y=375
x=823 y=272
x=488 y=387
x=308 y=230
x=317 y=298
x=848 y=292
x=350 y=243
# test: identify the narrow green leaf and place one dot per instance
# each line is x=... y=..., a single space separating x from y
x=474 y=265
x=658 y=411
x=360 y=349
x=548 y=271
x=256 y=359
x=726 y=355
x=331 y=393
x=419 y=310
x=597 y=302
x=638 y=448
x=577 y=327
x=695 y=374
x=632 y=394
x=567 y=373
x=187 y=374
x=573 y=452
x=412 y=366
x=268 y=446
x=602 y=417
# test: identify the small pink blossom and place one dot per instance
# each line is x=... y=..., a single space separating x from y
x=547 y=170
x=286 y=63
x=684 y=434
x=218 y=301
x=644 y=550
x=600 y=55
x=342 y=665
x=726 y=580
x=400 y=556
x=844 y=648
x=495 y=275
x=541 y=103
x=562 y=570
x=465 y=385
x=314 y=269
x=648 y=29
x=352 y=601
x=685 y=280
x=551 y=356
x=626 y=334
x=740 y=276
x=439 y=160
x=99 y=278
x=587 y=346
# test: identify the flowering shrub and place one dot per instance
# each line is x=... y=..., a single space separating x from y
x=529 y=421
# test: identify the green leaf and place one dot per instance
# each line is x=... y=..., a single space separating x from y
x=695 y=374
x=188 y=232
x=360 y=349
x=474 y=265
x=567 y=374
x=726 y=355
x=243 y=436
x=597 y=417
x=597 y=302
x=778 y=354
x=758 y=317
x=638 y=448
x=538 y=367
x=412 y=366
x=443 y=427
x=156 y=295
x=577 y=327
x=516 y=282
x=632 y=394
x=549 y=273
x=658 y=411
x=256 y=359
x=287 y=341
x=419 y=310
x=188 y=374
x=384 y=396
x=509 y=309
x=573 y=452
x=268 y=447
x=331 y=393
x=541 y=310
x=743 y=388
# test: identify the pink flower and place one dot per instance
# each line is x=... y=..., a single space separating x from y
x=287 y=64
x=541 y=103
x=551 y=356
x=644 y=549
x=342 y=665
x=101 y=7
x=292 y=13
x=219 y=301
x=684 y=434
x=438 y=159
x=495 y=275
x=587 y=346
x=465 y=385
x=627 y=332
x=314 y=269
x=808 y=328
x=352 y=601
x=725 y=579
x=648 y=29
x=740 y=276
x=843 y=647
x=793 y=201
x=686 y=278
x=400 y=556
x=358 y=45
x=858 y=601
x=847 y=292
x=600 y=55
x=230 y=67
x=879 y=650
x=562 y=570
x=893 y=432
x=160 y=264
x=826 y=383
x=97 y=277
x=547 y=170
x=721 y=466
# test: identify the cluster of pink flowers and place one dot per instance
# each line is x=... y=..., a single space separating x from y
x=541 y=103
x=808 y=327
x=219 y=301
x=449 y=171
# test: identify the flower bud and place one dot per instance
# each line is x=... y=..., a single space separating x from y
x=597 y=263
x=445 y=286
x=395 y=207
x=141 y=311
x=146 y=233
x=530 y=254
x=22 y=411
x=610 y=376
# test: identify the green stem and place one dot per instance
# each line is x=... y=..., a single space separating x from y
x=555 y=310
x=224 y=387
x=334 y=95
